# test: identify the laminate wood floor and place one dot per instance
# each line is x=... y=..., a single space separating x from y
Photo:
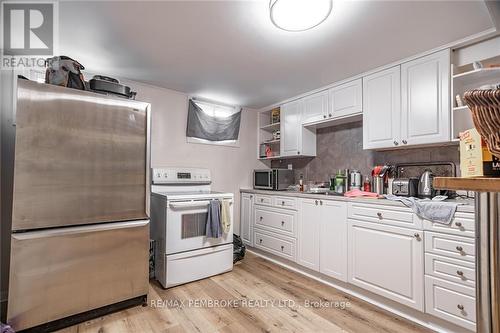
x=257 y=296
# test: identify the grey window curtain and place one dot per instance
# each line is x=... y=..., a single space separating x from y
x=203 y=126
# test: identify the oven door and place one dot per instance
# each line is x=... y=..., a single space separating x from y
x=263 y=179
x=186 y=226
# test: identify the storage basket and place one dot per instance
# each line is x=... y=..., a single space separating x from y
x=485 y=108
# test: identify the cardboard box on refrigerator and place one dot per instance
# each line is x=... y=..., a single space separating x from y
x=476 y=159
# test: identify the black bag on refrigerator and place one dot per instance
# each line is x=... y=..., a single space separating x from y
x=64 y=71
x=238 y=248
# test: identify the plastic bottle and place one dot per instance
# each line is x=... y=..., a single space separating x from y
x=367 y=187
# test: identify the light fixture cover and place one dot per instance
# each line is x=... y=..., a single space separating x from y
x=299 y=15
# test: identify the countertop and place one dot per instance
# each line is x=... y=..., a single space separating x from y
x=467 y=204
x=480 y=184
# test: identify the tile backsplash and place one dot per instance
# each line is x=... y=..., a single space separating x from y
x=341 y=147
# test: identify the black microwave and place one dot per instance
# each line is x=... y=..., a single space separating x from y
x=272 y=179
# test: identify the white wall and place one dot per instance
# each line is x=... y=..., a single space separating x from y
x=231 y=167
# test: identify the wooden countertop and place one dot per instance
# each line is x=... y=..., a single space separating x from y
x=479 y=184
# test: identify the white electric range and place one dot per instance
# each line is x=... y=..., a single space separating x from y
x=179 y=206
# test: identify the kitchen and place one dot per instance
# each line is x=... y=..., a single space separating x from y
x=391 y=97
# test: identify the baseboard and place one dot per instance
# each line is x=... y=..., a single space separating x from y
x=423 y=319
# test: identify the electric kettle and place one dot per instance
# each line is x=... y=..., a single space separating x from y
x=425 y=188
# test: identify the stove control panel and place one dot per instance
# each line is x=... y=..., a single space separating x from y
x=180 y=176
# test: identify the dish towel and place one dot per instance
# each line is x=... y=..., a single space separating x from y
x=434 y=210
x=213 y=226
x=226 y=216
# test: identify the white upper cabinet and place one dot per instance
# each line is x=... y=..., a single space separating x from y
x=315 y=107
x=425 y=99
x=296 y=140
x=346 y=99
x=382 y=109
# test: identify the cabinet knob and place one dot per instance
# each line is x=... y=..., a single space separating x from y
x=417 y=236
x=396 y=143
x=282 y=247
x=405 y=142
x=460 y=273
x=261 y=200
x=251 y=197
x=260 y=241
x=298 y=152
x=329 y=115
x=380 y=217
x=282 y=223
x=321 y=202
x=316 y=201
x=261 y=218
x=282 y=203
x=459 y=248
x=460 y=307
x=324 y=116
x=458 y=224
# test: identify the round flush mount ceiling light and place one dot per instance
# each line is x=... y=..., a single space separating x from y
x=299 y=15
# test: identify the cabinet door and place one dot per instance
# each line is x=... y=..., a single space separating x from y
x=387 y=261
x=315 y=107
x=346 y=99
x=382 y=109
x=290 y=128
x=425 y=89
x=333 y=240
x=308 y=234
x=246 y=218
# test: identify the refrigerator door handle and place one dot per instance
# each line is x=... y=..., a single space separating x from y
x=75 y=230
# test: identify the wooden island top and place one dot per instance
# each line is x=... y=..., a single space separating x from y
x=479 y=184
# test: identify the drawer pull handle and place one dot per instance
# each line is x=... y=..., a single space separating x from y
x=251 y=197
x=261 y=218
x=379 y=214
x=458 y=224
x=282 y=247
x=261 y=199
x=321 y=202
x=316 y=201
x=324 y=116
x=417 y=236
x=460 y=307
x=329 y=115
x=459 y=248
x=460 y=273
x=282 y=223
x=405 y=142
x=282 y=203
x=260 y=241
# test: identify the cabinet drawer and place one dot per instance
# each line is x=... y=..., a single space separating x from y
x=261 y=199
x=390 y=215
x=458 y=271
x=450 y=301
x=463 y=224
x=285 y=202
x=450 y=246
x=278 y=220
x=278 y=245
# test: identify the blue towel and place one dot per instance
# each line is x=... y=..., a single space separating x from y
x=214 y=226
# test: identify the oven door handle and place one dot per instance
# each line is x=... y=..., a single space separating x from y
x=190 y=204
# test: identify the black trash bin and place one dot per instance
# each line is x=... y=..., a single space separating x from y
x=238 y=249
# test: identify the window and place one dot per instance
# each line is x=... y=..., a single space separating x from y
x=213 y=123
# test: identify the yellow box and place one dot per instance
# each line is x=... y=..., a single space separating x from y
x=476 y=159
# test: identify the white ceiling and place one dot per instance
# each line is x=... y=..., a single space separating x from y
x=230 y=51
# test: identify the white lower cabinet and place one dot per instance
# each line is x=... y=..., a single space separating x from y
x=322 y=237
x=246 y=218
x=450 y=301
x=387 y=261
x=279 y=245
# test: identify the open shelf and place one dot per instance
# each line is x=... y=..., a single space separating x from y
x=270 y=127
x=478 y=75
x=270 y=158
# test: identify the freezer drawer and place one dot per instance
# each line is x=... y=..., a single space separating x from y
x=57 y=273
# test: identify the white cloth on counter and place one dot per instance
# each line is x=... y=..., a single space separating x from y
x=435 y=210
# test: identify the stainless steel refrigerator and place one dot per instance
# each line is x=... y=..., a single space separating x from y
x=80 y=217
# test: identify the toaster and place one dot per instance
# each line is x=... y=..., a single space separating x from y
x=405 y=187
